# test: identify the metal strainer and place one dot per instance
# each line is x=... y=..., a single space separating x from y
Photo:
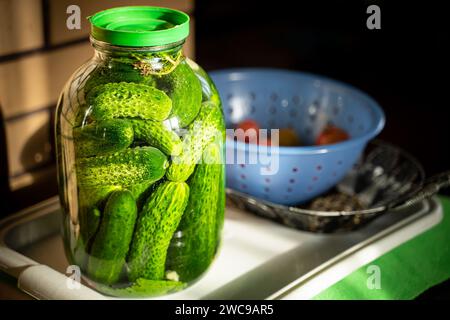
x=385 y=179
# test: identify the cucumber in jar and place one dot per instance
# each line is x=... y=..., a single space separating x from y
x=191 y=254
x=209 y=90
x=156 y=224
x=157 y=134
x=207 y=127
x=123 y=99
x=111 y=243
x=91 y=201
x=125 y=168
x=185 y=91
x=119 y=69
x=104 y=137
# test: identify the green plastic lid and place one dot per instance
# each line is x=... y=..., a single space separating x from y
x=139 y=26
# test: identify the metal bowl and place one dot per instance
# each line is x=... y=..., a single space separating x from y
x=385 y=179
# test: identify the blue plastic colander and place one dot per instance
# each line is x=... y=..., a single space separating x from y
x=306 y=103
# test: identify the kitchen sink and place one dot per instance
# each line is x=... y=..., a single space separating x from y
x=258 y=259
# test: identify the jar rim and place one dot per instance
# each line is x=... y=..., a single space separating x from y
x=103 y=46
x=139 y=26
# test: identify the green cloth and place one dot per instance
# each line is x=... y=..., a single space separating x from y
x=406 y=271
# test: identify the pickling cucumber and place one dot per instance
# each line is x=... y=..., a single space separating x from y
x=128 y=99
x=209 y=90
x=116 y=70
x=156 y=134
x=156 y=224
x=207 y=128
x=103 y=137
x=191 y=254
x=91 y=201
x=183 y=87
x=111 y=243
x=128 y=167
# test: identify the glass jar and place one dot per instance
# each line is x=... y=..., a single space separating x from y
x=140 y=148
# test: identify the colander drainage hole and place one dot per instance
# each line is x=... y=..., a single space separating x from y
x=272 y=110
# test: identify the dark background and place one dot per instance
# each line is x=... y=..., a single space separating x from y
x=404 y=66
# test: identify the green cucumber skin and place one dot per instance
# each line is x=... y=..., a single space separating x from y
x=116 y=71
x=125 y=168
x=104 y=137
x=111 y=243
x=209 y=90
x=91 y=200
x=128 y=100
x=156 y=134
x=95 y=196
x=113 y=70
x=184 y=88
x=156 y=224
x=207 y=127
x=203 y=186
x=220 y=216
x=141 y=191
x=193 y=253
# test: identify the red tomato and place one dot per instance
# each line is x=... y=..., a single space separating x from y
x=330 y=135
x=249 y=124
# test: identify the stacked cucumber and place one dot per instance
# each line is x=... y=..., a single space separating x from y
x=151 y=200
